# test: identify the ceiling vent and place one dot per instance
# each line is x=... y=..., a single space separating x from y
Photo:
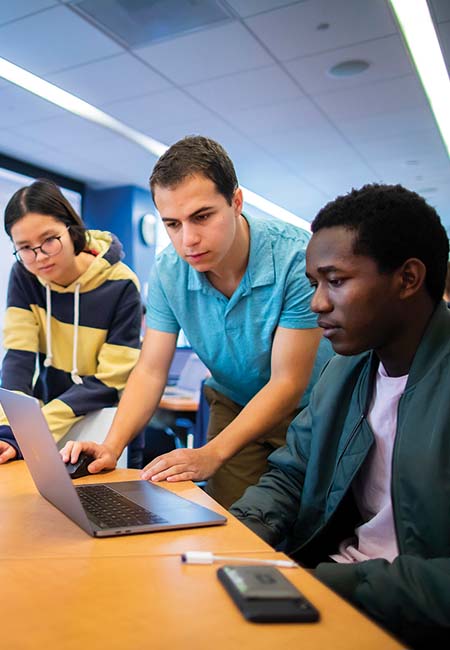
x=142 y=22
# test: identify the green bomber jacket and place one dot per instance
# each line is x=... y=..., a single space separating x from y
x=306 y=497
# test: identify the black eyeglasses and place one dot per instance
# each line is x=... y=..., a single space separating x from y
x=49 y=247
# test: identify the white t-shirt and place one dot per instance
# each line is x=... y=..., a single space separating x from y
x=372 y=487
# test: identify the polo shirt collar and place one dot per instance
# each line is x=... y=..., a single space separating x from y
x=261 y=266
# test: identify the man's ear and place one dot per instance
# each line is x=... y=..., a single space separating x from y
x=412 y=277
x=238 y=201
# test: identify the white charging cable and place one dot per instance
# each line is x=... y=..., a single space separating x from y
x=206 y=557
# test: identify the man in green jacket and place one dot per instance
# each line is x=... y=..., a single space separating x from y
x=361 y=491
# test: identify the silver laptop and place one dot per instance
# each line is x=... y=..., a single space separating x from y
x=101 y=509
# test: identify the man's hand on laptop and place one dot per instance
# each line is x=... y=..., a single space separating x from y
x=182 y=465
x=7 y=452
x=105 y=458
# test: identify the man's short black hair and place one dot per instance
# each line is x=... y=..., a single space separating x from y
x=195 y=155
x=392 y=224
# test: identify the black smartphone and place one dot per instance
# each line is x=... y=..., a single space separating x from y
x=264 y=595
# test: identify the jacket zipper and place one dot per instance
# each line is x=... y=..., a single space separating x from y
x=319 y=530
x=341 y=455
x=394 y=452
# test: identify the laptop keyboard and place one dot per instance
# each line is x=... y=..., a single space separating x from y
x=108 y=509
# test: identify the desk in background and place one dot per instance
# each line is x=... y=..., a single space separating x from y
x=180 y=419
x=180 y=404
x=62 y=589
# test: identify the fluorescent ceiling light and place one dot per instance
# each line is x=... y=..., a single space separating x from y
x=418 y=31
x=74 y=104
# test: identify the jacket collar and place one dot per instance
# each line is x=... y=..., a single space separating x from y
x=432 y=349
x=434 y=346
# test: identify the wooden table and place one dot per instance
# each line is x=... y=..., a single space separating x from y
x=31 y=527
x=61 y=589
x=158 y=603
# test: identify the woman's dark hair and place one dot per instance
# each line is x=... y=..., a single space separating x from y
x=392 y=224
x=195 y=155
x=44 y=197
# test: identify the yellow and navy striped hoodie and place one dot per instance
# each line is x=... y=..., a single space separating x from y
x=72 y=347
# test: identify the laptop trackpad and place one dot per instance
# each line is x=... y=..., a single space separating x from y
x=151 y=496
x=177 y=510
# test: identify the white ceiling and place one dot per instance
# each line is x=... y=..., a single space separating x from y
x=257 y=82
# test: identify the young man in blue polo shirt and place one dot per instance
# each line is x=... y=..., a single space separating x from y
x=236 y=286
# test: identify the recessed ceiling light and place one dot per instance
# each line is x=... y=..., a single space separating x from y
x=428 y=190
x=349 y=68
x=322 y=27
x=412 y=162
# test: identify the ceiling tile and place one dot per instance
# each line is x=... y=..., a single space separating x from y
x=298 y=196
x=46 y=156
x=402 y=93
x=14 y=144
x=444 y=40
x=64 y=132
x=387 y=58
x=262 y=173
x=160 y=109
x=10 y=11
x=422 y=175
x=250 y=7
x=127 y=161
x=295 y=30
x=108 y=80
x=410 y=146
x=18 y=106
x=55 y=39
x=246 y=90
x=306 y=149
x=74 y=165
x=211 y=127
x=206 y=54
x=283 y=116
x=336 y=183
x=387 y=124
x=137 y=23
x=441 y=9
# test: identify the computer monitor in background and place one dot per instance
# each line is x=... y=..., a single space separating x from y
x=178 y=362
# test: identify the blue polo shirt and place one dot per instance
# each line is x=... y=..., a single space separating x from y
x=233 y=336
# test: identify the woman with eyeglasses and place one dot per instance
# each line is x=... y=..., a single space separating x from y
x=73 y=315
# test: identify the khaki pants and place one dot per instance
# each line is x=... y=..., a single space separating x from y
x=246 y=467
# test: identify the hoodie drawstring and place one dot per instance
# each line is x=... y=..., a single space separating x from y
x=48 y=299
x=76 y=309
x=76 y=315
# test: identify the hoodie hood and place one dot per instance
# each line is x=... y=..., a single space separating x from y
x=107 y=250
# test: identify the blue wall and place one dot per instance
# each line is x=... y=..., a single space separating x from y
x=119 y=210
